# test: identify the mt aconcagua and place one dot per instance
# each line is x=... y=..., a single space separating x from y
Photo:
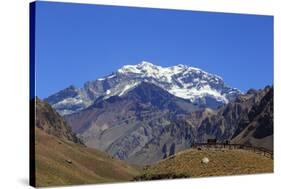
x=144 y=113
x=201 y=88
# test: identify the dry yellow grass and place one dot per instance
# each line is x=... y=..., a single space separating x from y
x=59 y=162
x=226 y=162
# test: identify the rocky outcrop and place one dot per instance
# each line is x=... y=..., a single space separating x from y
x=52 y=123
x=257 y=130
x=231 y=119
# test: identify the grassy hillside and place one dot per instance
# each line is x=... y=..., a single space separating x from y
x=227 y=162
x=60 y=162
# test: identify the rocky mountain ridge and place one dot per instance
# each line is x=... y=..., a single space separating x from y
x=52 y=123
x=148 y=123
x=182 y=81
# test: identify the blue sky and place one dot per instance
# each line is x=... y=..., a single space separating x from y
x=76 y=43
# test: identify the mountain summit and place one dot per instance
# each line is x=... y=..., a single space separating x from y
x=182 y=81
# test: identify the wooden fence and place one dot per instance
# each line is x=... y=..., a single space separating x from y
x=219 y=146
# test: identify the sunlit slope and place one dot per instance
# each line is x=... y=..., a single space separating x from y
x=226 y=162
x=60 y=162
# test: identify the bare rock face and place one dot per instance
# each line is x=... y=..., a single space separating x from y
x=148 y=123
x=231 y=119
x=52 y=123
x=136 y=127
x=258 y=130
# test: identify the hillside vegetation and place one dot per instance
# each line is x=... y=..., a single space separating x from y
x=226 y=162
x=62 y=162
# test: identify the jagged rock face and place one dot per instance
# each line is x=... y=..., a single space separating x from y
x=182 y=81
x=52 y=123
x=258 y=129
x=148 y=123
x=69 y=100
x=136 y=123
x=250 y=117
x=231 y=119
x=170 y=138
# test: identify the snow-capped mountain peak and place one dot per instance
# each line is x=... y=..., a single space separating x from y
x=142 y=67
x=180 y=80
x=145 y=63
x=147 y=69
